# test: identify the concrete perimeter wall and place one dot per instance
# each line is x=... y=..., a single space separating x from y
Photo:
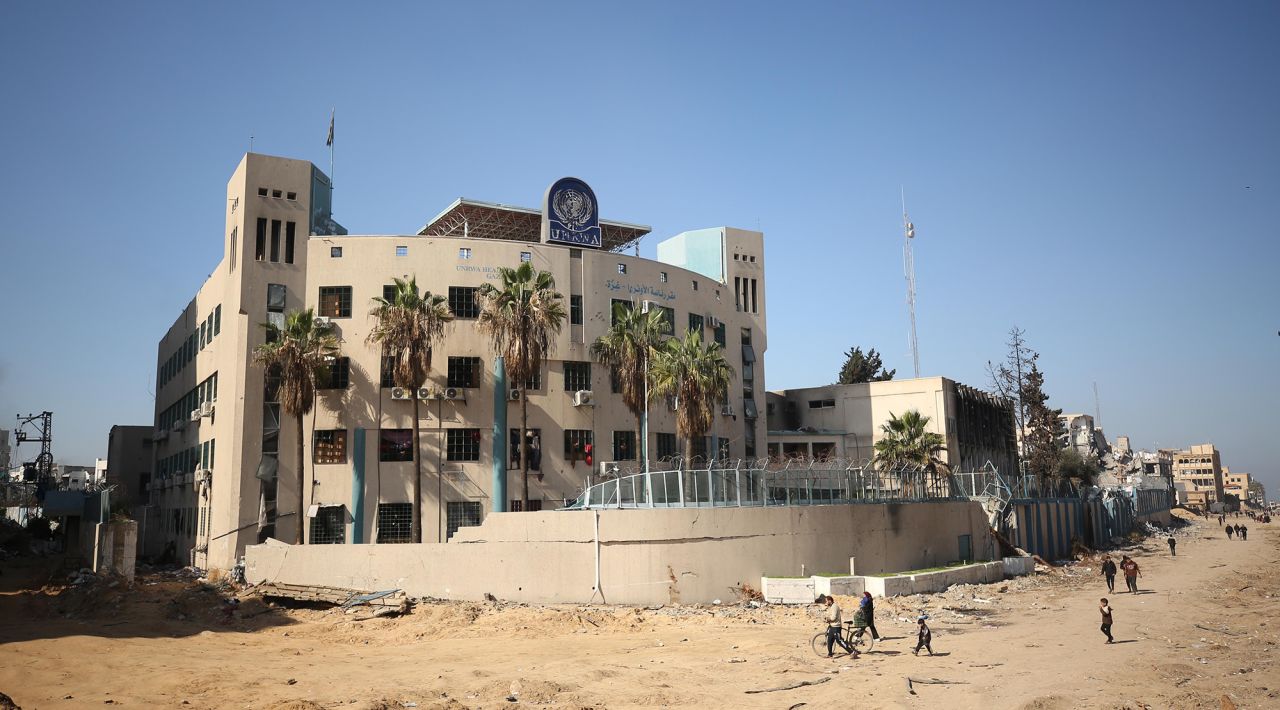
x=646 y=556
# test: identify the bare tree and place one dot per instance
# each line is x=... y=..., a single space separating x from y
x=1009 y=378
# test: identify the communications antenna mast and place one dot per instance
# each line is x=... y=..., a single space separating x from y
x=909 y=270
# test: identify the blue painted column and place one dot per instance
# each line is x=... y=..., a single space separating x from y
x=357 y=487
x=1064 y=542
x=499 y=435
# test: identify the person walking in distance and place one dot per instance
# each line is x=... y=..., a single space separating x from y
x=869 y=613
x=1109 y=571
x=834 y=621
x=1105 y=608
x=924 y=637
x=1131 y=573
x=1173 y=546
x=1243 y=531
x=1230 y=530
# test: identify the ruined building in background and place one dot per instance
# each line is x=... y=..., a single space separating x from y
x=1197 y=475
x=844 y=421
x=224 y=471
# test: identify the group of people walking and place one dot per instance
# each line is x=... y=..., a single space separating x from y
x=1239 y=531
x=864 y=621
x=1131 y=573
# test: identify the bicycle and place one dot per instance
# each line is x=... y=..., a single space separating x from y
x=855 y=637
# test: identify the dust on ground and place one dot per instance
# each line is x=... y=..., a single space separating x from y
x=1203 y=627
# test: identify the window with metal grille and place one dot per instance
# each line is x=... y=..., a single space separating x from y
x=290 y=230
x=668 y=319
x=463 y=303
x=526 y=256
x=535 y=449
x=720 y=335
x=534 y=382
x=462 y=514
x=339 y=375
x=275 y=298
x=575 y=444
x=517 y=506
x=387 y=375
x=464 y=372
x=624 y=446
x=667 y=446
x=395 y=523
x=695 y=323
x=700 y=446
x=577 y=376
x=402 y=250
x=329 y=527
x=575 y=310
x=389 y=293
x=335 y=301
x=462 y=444
x=260 y=243
x=395 y=445
x=330 y=446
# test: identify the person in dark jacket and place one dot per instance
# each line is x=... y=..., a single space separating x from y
x=924 y=637
x=868 y=613
x=1109 y=571
x=1230 y=531
x=1173 y=546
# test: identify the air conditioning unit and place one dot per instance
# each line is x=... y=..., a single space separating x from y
x=426 y=393
x=456 y=394
x=179 y=425
x=160 y=435
x=401 y=393
x=609 y=469
x=323 y=320
x=203 y=476
x=206 y=409
x=726 y=410
x=582 y=398
x=646 y=306
x=514 y=394
x=713 y=322
x=195 y=414
x=673 y=403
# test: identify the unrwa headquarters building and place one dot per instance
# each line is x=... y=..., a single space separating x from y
x=225 y=471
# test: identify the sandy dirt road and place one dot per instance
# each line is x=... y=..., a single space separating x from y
x=1034 y=645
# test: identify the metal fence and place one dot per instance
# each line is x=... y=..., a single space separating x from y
x=776 y=483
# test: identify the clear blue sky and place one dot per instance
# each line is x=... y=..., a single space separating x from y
x=1104 y=175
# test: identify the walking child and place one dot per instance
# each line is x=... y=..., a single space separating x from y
x=1105 y=608
x=924 y=637
x=1173 y=546
x=1131 y=573
x=1109 y=571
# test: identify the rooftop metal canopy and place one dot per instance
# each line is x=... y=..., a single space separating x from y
x=488 y=220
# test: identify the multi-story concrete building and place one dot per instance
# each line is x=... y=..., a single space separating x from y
x=1197 y=475
x=6 y=453
x=129 y=461
x=845 y=421
x=225 y=472
x=1236 y=484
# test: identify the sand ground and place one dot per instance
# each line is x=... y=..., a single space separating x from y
x=1027 y=643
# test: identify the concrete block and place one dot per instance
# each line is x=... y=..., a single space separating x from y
x=1018 y=566
x=848 y=586
x=788 y=590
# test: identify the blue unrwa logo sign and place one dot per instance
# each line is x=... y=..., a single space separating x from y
x=570 y=214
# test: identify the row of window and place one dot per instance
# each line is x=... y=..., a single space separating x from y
x=337 y=302
x=277 y=194
x=267 y=248
x=210 y=327
x=206 y=391
x=200 y=456
x=463 y=444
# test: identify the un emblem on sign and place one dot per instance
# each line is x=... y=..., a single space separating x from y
x=570 y=214
x=573 y=208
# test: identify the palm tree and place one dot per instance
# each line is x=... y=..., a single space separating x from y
x=697 y=375
x=408 y=326
x=521 y=319
x=628 y=348
x=302 y=352
x=906 y=442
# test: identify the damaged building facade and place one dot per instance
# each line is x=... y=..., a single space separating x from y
x=224 y=473
x=844 y=421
